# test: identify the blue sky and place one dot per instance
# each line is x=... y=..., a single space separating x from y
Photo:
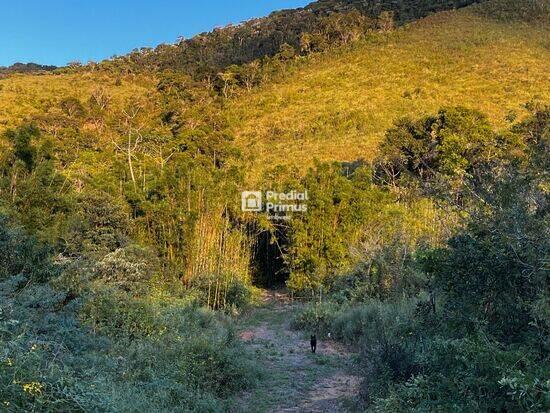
x=59 y=31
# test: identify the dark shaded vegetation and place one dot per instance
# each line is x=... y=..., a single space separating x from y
x=84 y=336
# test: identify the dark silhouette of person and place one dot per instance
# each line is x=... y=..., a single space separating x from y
x=313 y=342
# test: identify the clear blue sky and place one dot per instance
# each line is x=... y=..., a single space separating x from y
x=59 y=31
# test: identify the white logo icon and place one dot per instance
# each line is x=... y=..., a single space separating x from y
x=251 y=201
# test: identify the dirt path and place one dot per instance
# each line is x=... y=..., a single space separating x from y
x=295 y=380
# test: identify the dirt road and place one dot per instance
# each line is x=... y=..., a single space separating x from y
x=295 y=380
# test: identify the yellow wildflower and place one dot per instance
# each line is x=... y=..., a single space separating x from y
x=34 y=388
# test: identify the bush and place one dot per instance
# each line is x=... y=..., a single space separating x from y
x=239 y=294
x=23 y=255
x=472 y=374
x=144 y=354
x=211 y=365
x=128 y=268
x=316 y=317
x=222 y=292
x=388 y=339
x=117 y=314
x=42 y=367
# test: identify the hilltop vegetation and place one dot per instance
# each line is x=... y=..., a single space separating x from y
x=338 y=105
x=26 y=68
x=423 y=145
x=312 y=28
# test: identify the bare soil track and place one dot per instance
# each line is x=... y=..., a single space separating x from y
x=295 y=380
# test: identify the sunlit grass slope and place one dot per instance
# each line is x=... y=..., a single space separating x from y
x=336 y=106
x=24 y=96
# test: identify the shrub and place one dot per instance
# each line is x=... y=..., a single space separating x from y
x=316 y=317
x=472 y=374
x=388 y=340
x=119 y=315
x=143 y=354
x=239 y=294
x=128 y=268
x=210 y=364
x=223 y=292
x=23 y=255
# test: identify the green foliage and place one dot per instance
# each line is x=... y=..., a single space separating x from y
x=506 y=10
x=222 y=292
x=129 y=268
x=318 y=26
x=319 y=240
x=477 y=339
x=23 y=255
x=441 y=151
x=316 y=317
x=471 y=374
x=339 y=104
x=30 y=184
x=386 y=334
x=72 y=107
x=131 y=181
x=239 y=295
x=222 y=372
x=139 y=354
x=121 y=315
x=354 y=240
x=26 y=68
x=100 y=226
x=490 y=334
x=500 y=260
x=21 y=140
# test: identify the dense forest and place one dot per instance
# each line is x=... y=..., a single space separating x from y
x=130 y=275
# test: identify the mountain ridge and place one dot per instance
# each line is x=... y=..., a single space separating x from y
x=208 y=53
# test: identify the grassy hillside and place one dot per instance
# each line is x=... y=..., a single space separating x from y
x=337 y=106
x=23 y=96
